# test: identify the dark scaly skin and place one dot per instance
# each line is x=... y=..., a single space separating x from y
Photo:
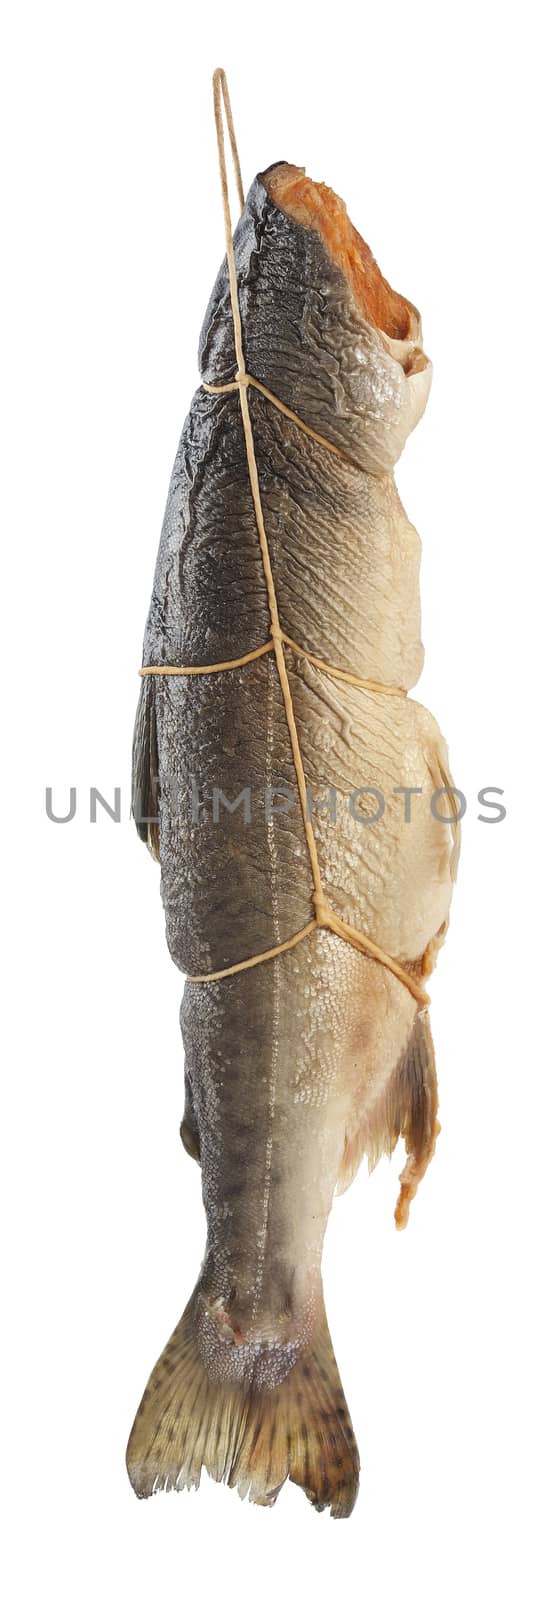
x=285 y=1063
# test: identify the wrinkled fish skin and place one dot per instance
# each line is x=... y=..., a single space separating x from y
x=298 y=1067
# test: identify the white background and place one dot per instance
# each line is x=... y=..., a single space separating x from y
x=423 y=118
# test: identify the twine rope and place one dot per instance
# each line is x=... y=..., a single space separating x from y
x=325 y=916
x=262 y=649
x=247 y=379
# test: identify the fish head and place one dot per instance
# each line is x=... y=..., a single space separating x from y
x=322 y=330
x=366 y=338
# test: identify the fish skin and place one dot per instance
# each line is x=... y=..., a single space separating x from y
x=298 y=1067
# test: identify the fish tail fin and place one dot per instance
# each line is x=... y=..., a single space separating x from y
x=252 y=1436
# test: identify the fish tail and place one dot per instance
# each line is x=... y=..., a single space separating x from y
x=251 y=1435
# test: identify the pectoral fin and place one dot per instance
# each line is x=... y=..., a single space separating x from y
x=145 y=779
x=189 y=1127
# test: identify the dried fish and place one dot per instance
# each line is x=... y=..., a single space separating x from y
x=299 y=1065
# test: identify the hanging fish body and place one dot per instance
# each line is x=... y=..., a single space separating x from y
x=298 y=1066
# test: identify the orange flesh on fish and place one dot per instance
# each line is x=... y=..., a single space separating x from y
x=315 y=206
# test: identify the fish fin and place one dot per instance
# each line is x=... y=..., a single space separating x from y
x=407 y=1109
x=250 y=1436
x=437 y=761
x=190 y=1136
x=145 y=779
x=416 y=1113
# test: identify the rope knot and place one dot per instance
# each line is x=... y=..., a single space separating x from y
x=322 y=910
x=242 y=378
